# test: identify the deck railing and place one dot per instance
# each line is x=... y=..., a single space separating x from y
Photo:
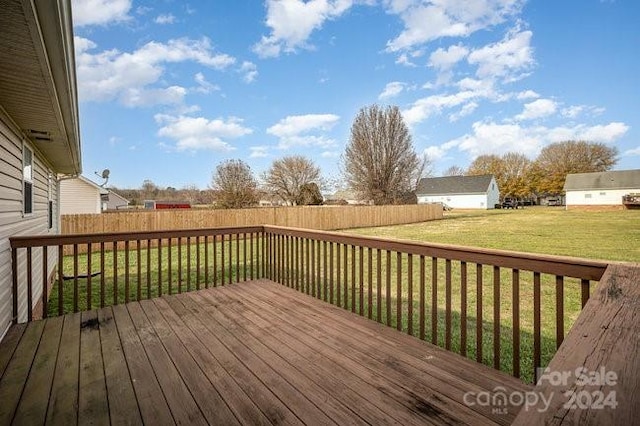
x=505 y=309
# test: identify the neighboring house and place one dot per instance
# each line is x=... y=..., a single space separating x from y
x=601 y=189
x=39 y=134
x=116 y=202
x=82 y=196
x=460 y=192
x=346 y=196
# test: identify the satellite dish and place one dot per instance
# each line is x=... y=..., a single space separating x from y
x=104 y=175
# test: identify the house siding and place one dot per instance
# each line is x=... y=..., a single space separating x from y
x=14 y=223
x=79 y=197
x=598 y=197
x=473 y=199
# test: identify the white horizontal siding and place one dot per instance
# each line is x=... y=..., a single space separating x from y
x=598 y=197
x=14 y=223
x=78 y=197
x=469 y=201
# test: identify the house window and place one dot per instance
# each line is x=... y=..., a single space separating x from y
x=587 y=195
x=27 y=180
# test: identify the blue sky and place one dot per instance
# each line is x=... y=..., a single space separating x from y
x=169 y=89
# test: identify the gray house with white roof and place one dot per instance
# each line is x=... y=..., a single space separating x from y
x=460 y=192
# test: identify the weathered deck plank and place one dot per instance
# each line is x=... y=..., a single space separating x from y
x=33 y=405
x=249 y=353
x=63 y=402
x=17 y=372
x=123 y=407
x=93 y=406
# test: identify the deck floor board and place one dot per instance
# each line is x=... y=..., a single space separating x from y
x=249 y=353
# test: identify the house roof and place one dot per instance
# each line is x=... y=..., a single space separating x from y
x=614 y=179
x=103 y=191
x=454 y=185
x=117 y=196
x=37 y=78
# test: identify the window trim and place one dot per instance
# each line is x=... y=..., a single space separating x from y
x=27 y=180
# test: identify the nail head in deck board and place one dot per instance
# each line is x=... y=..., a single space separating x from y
x=260 y=394
x=153 y=406
x=606 y=336
x=208 y=399
x=123 y=406
x=93 y=406
x=242 y=406
x=181 y=403
x=32 y=408
x=63 y=402
x=382 y=362
x=13 y=381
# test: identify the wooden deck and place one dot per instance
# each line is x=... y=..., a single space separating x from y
x=249 y=353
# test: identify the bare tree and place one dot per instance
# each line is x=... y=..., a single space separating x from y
x=380 y=162
x=454 y=171
x=235 y=185
x=287 y=176
x=558 y=160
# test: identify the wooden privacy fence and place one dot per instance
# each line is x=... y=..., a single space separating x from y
x=506 y=309
x=309 y=217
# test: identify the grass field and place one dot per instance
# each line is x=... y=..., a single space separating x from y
x=607 y=235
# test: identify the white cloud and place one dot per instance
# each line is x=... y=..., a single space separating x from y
x=425 y=21
x=508 y=59
x=403 y=59
x=100 y=12
x=537 y=109
x=195 y=133
x=250 y=71
x=466 y=110
x=292 y=22
x=330 y=154
x=444 y=59
x=165 y=19
x=392 y=89
x=135 y=97
x=302 y=130
x=527 y=94
x=431 y=105
x=259 y=151
x=496 y=138
x=204 y=86
x=632 y=152
x=574 y=111
x=607 y=133
x=111 y=74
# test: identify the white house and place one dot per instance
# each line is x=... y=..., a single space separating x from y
x=461 y=192
x=39 y=134
x=80 y=195
x=601 y=189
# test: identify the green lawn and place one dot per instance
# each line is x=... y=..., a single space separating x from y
x=607 y=235
x=610 y=235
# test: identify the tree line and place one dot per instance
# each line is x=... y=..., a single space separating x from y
x=380 y=164
x=520 y=177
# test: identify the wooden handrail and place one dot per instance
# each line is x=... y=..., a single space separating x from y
x=549 y=264
x=337 y=267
